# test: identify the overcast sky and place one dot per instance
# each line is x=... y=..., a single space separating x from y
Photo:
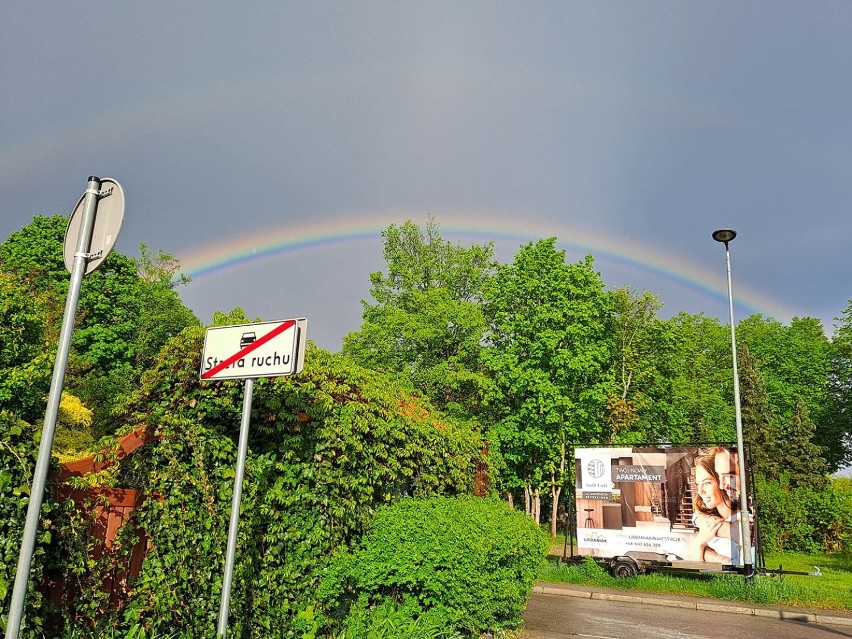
x=295 y=132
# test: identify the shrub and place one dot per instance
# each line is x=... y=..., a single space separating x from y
x=472 y=560
x=327 y=448
x=803 y=518
x=398 y=621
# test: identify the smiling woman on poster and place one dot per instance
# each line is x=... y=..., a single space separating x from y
x=716 y=506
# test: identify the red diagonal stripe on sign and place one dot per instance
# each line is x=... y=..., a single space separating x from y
x=248 y=349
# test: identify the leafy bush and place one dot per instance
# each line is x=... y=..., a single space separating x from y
x=327 y=447
x=803 y=518
x=398 y=621
x=470 y=561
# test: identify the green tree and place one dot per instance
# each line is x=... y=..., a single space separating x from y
x=35 y=254
x=549 y=344
x=127 y=310
x=804 y=458
x=699 y=379
x=761 y=426
x=792 y=359
x=640 y=361
x=426 y=323
x=162 y=314
x=25 y=362
x=777 y=446
x=161 y=268
x=794 y=362
x=835 y=429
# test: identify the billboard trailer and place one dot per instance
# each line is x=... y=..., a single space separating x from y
x=639 y=509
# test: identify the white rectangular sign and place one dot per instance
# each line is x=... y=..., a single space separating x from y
x=266 y=349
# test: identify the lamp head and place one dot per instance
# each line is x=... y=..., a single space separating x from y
x=724 y=235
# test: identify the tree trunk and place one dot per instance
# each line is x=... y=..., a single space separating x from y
x=556 y=481
x=554 y=492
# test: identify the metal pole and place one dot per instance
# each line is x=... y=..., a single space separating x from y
x=222 y=629
x=22 y=574
x=745 y=534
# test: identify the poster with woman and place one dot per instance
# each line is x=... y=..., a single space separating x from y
x=676 y=504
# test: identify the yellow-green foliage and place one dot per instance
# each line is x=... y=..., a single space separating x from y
x=74 y=427
x=73 y=413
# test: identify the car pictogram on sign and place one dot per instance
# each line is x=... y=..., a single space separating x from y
x=247 y=338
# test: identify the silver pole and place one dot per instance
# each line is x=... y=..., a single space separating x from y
x=222 y=629
x=745 y=534
x=22 y=574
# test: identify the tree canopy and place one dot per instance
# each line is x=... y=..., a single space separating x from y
x=126 y=312
x=548 y=347
x=835 y=428
x=426 y=323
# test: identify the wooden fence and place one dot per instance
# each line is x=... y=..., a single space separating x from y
x=108 y=510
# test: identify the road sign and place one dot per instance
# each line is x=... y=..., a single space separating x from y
x=266 y=349
x=108 y=221
x=79 y=240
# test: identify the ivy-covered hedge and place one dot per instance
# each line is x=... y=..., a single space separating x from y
x=468 y=561
x=327 y=447
x=18 y=453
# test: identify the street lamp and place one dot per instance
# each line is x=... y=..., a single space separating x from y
x=725 y=236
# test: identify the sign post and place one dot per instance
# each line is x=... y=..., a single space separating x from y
x=267 y=349
x=82 y=228
x=225 y=602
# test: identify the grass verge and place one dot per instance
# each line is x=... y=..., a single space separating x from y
x=831 y=591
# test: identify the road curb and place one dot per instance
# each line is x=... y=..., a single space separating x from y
x=708 y=605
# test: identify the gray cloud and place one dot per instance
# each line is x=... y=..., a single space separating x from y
x=654 y=122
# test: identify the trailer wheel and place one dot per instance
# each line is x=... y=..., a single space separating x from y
x=623 y=568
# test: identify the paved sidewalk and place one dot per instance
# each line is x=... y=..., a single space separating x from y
x=831 y=617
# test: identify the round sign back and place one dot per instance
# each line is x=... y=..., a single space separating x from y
x=108 y=221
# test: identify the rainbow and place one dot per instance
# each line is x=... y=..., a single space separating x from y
x=265 y=244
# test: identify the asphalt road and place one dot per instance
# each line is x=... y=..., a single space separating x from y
x=556 y=616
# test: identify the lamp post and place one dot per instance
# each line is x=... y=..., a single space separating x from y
x=725 y=236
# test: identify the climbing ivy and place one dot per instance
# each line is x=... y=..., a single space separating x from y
x=18 y=453
x=327 y=447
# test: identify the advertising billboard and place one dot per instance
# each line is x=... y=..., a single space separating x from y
x=674 y=504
